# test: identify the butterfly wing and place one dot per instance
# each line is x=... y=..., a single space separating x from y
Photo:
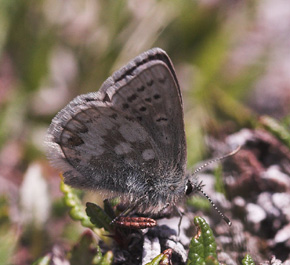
x=128 y=134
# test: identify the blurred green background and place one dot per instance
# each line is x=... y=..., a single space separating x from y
x=231 y=58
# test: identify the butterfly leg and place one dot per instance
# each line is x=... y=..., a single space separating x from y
x=180 y=213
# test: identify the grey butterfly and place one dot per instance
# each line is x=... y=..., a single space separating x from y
x=128 y=138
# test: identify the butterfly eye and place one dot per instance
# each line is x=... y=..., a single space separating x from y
x=188 y=188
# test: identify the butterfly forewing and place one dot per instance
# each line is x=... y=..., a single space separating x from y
x=150 y=96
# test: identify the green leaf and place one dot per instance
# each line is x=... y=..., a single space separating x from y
x=84 y=253
x=156 y=260
x=98 y=257
x=108 y=207
x=277 y=129
x=8 y=244
x=247 y=260
x=98 y=216
x=202 y=248
x=166 y=259
x=72 y=201
x=107 y=259
x=43 y=261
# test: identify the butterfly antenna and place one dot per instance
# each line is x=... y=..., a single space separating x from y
x=216 y=160
x=198 y=187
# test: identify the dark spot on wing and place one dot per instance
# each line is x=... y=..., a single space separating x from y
x=76 y=125
x=106 y=98
x=129 y=118
x=83 y=117
x=132 y=98
x=162 y=80
x=83 y=129
x=150 y=82
x=142 y=108
x=76 y=160
x=161 y=119
x=73 y=141
x=89 y=99
x=156 y=96
x=141 y=88
x=114 y=116
x=125 y=106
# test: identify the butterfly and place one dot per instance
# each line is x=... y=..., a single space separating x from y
x=127 y=139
